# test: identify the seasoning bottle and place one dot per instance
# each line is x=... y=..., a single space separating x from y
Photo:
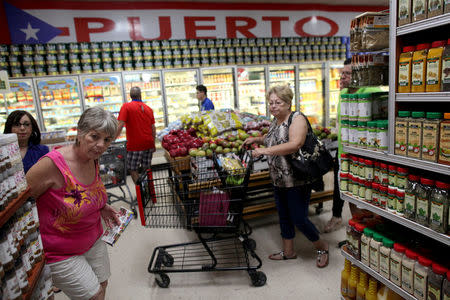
x=434 y=66
x=445 y=76
x=385 y=256
x=400 y=203
x=362 y=189
x=349 y=232
x=376 y=172
x=384 y=174
x=423 y=191
x=408 y=270
x=375 y=194
x=359 y=229
x=345 y=132
x=353 y=107
x=444 y=140
x=404 y=69
x=404 y=12
x=344 y=106
x=421 y=270
x=368 y=170
x=353 y=282
x=382 y=135
x=410 y=197
x=365 y=245
x=418 y=73
x=430 y=136
x=344 y=162
x=402 y=174
x=392 y=176
x=435 y=279
x=392 y=200
x=11 y=289
x=362 y=286
x=345 y=275
x=383 y=197
x=439 y=198
x=371 y=134
x=446 y=284
x=355 y=186
x=362 y=134
x=361 y=167
x=353 y=133
x=364 y=107
x=368 y=195
x=397 y=255
x=415 y=126
x=344 y=182
x=419 y=10
x=374 y=251
x=350 y=184
x=435 y=8
x=401 y=132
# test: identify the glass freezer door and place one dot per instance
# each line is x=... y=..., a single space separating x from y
x=3 y=114
x=283 y=75
x=104 y=90
x=311 y=92
x=181 y=93
x=334 y=92
x=220 y=85
x=252 y=90
x=59 y=98
x=150 y=85
x=20 y=97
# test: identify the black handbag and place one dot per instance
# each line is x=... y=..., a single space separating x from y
x=312 y=160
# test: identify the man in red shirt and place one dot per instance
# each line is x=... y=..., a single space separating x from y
x=138 y=118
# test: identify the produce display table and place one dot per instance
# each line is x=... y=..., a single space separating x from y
x=260 y=200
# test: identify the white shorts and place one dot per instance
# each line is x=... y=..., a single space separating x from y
x=79 y=277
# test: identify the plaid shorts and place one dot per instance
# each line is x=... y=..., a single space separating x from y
x=139 y=159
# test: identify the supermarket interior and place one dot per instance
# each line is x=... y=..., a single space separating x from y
x=371 y=78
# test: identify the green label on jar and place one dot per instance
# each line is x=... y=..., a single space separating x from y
x=410 y=204
x=368 y=195
x=344 y=185
x=392 y=202
x=422 y=209
x=436 y=213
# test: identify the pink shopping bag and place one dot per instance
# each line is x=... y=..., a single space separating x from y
x=213 y=208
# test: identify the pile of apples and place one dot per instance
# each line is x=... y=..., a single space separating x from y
x=179 y=142
x=324 y=133
x=232 y=143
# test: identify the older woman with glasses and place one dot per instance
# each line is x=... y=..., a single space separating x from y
x=25 y=126
x=71 y=203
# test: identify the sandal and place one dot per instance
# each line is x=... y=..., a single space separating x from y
x=281 y=256
x=320 y=255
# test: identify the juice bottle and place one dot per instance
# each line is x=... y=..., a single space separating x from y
x=345 y=275
x=362 y=286
x=352 y=283
x=371 y=293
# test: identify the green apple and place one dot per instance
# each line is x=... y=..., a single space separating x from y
x=213 y=146
x=193 y=152
x=201 y=153
x=234 y=150
x=209 y=152
x=219 y=150
x=226 y=150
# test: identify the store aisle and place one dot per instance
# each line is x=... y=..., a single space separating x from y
x=291 y=279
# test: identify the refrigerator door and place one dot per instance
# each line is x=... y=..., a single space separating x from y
x=220 y=85
x=150 y=84
x=60 y=102
x=3 y=113
x=180 y=93
x=283 y=75
x=312 y=92
x=103 y=89
x=252 y=90
x=20 y=97
x=334 y=92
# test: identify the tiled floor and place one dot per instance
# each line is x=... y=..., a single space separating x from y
x=291 y=279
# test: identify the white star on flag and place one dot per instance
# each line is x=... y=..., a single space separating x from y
x=30 y=32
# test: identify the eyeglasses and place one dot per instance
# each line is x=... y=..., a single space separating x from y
x=26 y=125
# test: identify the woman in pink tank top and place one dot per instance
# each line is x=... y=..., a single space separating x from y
x=72 y=200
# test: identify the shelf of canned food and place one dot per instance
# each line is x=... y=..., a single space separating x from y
x=424 y=24
x=421 y=97
x=377 y=276
x=398 y=219
x=411 y=162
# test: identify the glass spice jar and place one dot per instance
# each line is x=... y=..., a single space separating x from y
x=392 y=200
x=400 y=204
x=384 y=178
x=368 y=170
x=423 y=201
x=401 y=175
x=375 y=194
x=383 y=198
x=368 y=195
x=410 y=197
x=392 y=175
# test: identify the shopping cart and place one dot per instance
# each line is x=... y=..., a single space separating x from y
x=208 y=201
x=113 y=172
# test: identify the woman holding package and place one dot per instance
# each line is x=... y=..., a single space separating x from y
x=291 y=194
x=71 y=201
x=25 y=126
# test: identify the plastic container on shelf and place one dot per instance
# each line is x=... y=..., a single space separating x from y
x=439 y=203
x=401 y=132
x=418 y=73
x=383 y=197
x=368 y=169
x=353 y=107
x=392 y=200
x=392 y=176
x=364 y=107
x=375 y=194
x=359 y=229
x=445 y=75
x=421 y=270
x=362 y=134
x=349 y=235
x=371 y=135
x=345 y=162
x=344 y=182
x=435 y=8
x=415 y=128
x=444 y=140
x=365 y=245
x=369 y=191
x=376 y=172
x=374 y=251
x=385 y=255
x=400 y=202
x=404 y=69
x=384 y=174
x=371 y=293
x=362 y=285
x=382 y=135
x=423 y=192
x=419 y=10
x=435 y=280
x=353 y=282
x=408 y=263
x=344 y=106
x=353 y=133
x=411 y=197
x=434 y=66
x=345 y=138
x=362 y=189
x=345 y=275
x=397 y=255
x=402 y=174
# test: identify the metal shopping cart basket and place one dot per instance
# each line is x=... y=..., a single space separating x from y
x=113 y=172
x=208 y=201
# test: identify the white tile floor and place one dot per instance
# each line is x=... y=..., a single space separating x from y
x=291 y=279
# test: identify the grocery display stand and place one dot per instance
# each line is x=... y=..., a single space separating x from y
x=394 y=100
x=7 y=213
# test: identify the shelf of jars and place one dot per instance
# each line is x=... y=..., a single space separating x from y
x=402 y=160
x=443 y=238
x=34 y=278
x=424 y=24
x=422 y=97
x=13 y=206
x=377 y=276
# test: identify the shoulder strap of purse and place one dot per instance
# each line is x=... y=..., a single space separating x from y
x=306 y=118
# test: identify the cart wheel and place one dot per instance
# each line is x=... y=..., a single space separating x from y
x=167 y=260
x=249 y=244
x=258 y=278
x=162 y=280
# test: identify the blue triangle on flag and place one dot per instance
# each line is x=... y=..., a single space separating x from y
x=27 y=29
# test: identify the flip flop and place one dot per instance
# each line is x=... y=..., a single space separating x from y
x=319 y=256
x=281 y=256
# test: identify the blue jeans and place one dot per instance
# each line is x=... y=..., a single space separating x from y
x=292 y=205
